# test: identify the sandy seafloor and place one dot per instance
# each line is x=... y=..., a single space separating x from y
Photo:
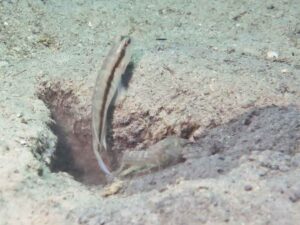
x=223 y=74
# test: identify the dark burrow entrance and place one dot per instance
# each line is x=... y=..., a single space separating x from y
x=72 y=122
x=70 y=106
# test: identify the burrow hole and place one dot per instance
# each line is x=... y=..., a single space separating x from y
x=72 y=126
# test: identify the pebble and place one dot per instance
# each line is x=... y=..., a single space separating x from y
x=248 y=187
x=3 y=63
x=272 y=55
x=295 y=194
